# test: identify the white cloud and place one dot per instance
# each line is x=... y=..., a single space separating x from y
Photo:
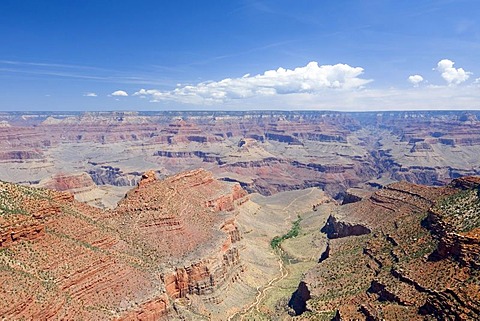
x=426 y=97
x=89 y=95
x=453 y=76
x=415 y=80
x=311 y=79
x=120 y=93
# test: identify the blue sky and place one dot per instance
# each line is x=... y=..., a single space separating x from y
x=277 y=54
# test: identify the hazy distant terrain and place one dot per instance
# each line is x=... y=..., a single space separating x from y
x=98 y=156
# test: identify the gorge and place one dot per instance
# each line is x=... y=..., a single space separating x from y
x=171 y=215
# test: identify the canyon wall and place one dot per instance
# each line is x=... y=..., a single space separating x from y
x=264 y=151
x=167 y=241
x=416 y=258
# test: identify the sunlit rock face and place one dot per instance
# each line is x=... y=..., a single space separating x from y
x=165 y=240
x=417 y=260
x=265 y=151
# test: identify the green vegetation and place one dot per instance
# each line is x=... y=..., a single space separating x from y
x=72 y=239
x=13 y=197
x=294 y=231
x=9 y=206
x=461 y=210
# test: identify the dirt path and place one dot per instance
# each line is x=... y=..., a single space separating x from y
x=297 y=198
x=261 y=292
x=282 y=269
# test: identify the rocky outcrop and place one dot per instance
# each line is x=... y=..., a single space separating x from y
x=23 y=230
x=203 y=278
x=282 y=138
x=147 y=178
x=156 y=309
x=455 y=224
x=338 y=229
x=325 y=254
x=421 y=147
x=340 y=138
x=21 y=155
x=464 y=247
x=227 y=202
x=23 y=217
x=298 y=301
x=108 y=175
x=79 y=182
x=466 y=183
x=352 y=196
x=384 y=294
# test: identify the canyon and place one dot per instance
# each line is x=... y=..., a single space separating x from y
x=171 y=215
x=265 y=151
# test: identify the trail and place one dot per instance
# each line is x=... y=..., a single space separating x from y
x=282 y=269
x=296 y=199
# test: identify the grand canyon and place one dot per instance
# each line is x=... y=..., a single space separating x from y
x=240 y=215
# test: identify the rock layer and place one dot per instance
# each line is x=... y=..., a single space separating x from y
x=265 y=151
x=414 y=264
x=166 y=241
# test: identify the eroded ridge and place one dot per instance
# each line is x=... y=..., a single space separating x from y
x=420 y=261
x=166 y=241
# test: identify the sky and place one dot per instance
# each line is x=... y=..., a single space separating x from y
x=60 y=55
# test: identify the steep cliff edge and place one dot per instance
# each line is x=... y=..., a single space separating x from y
x=166 y=241
x=455 y=223
x=420 y=261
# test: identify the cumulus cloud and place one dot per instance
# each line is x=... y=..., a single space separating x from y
x=310 y=79
x=89 y=95
x=415 y=80
x=119 y=93
x=452 y=75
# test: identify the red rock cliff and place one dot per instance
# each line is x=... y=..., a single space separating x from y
x=60 y=259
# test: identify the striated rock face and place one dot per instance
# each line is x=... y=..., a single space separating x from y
x=265 y=151
x=22 y=218
x=466 y=183
x=335 y=229
x=156 y=309
x=455 y=223
x=80 y=185
x=21 y=155
x=202 y=278
x=69 y=182
x=167 y=240
x=227 y=202
x=420 y=261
